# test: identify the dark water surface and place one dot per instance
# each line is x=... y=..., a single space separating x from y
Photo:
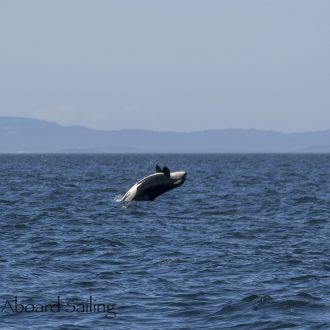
x=243 y=244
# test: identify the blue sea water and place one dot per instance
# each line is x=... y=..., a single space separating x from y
x=243 y=244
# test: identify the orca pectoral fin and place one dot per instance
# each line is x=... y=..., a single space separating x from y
x=166 y=171
x=158 y=169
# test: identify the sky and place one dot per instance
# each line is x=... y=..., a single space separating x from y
x=169 y=65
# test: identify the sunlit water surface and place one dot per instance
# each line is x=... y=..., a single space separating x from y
x=243 y=244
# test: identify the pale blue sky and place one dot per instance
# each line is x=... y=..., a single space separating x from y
x=179 y=65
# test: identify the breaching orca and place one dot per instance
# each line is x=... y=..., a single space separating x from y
x=155 y=184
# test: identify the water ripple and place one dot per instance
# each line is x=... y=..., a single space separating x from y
x=243 y=244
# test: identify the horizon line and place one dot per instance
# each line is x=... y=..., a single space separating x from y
x=164 y=131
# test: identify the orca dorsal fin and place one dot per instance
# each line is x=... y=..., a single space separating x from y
x=166 y=171
x=158 y=169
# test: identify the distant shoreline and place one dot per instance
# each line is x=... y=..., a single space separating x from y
x=33 y=136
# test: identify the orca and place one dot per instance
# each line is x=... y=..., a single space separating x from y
x=154 y=185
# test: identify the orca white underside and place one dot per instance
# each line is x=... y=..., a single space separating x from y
x=154 y=185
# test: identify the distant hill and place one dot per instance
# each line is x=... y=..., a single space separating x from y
x=23 y=135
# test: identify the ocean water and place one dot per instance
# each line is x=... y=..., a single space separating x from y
x=243 y=244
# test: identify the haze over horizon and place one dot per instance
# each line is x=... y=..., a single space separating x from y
x=156 y=130
x=19 y=135
x=167 y=66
